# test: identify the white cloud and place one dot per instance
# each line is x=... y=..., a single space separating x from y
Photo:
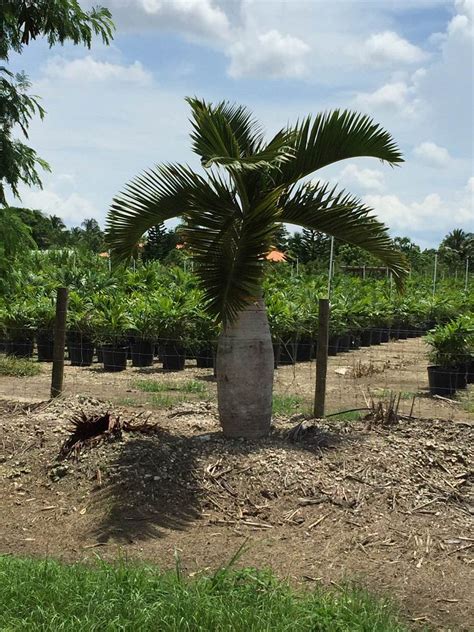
x=397 y=96
x=200 y=19
x=90 y=70
x=389 y=47
x=368 y=179
x=432 y=154
x=71 y=206
x=470 y=185
x=269 y=54
x=462 y=23
x=432 y=214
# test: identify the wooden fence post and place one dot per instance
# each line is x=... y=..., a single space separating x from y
x=59 y=342
x=321 y=358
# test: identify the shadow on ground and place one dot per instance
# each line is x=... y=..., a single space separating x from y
x=158 y=480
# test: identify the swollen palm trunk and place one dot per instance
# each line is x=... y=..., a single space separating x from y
x=245 y=374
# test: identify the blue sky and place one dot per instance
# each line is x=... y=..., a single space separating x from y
x=114 y=111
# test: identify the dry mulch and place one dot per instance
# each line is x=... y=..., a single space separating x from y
x=390 y=506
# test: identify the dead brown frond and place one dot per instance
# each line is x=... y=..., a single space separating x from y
x=90 y=430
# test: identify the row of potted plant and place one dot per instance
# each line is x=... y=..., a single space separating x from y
x=451 y=355
x=153 y=308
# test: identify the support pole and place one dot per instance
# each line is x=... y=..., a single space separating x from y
x=331 y=266
x=467 y=274
x=435 y=271
x=321 y=358
x=59 y=342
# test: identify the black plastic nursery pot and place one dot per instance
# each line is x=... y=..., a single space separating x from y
x=376 y=337
x=333 y=345
x=470 y=372
x=403 y=332
x=142 y=352
x=344 y=344
x=385 y=334
x=442 y=380
x=173 y=357
x=461 y=377
x=304 y=350
x=45 y=346
x=204 y=357
x=276 y=354
x=366 y=338
x=81 y=349
x=20 y=348
x=114 y=357
x=355 y=342
x=394 y=332
x=288 y=351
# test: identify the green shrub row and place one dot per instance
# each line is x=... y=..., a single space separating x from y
x=158 y=302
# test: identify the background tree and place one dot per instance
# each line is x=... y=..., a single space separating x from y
x=15 y=242
x=159 y=243
x=92 y=238
x=230 y=220
x=280 y=239
x=20 y=22
x=42 y=230
x=456 y=247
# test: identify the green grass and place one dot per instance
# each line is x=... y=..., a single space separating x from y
x=289 y=404
x=49 y=596
x=18 y=367
x=466 y=399
x=155 y=386
x=386 y=392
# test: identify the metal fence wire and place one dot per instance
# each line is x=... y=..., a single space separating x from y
x=361 y=369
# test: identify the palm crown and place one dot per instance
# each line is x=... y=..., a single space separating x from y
x=250 y=187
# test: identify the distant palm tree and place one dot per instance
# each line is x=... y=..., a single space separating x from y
x=458 y=242
x=230 y=218
x=57 y=223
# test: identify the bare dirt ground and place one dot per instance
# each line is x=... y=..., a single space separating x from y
x=387 y=506
x=353 y=377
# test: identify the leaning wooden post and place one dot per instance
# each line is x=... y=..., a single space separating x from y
x=59 y=342
x=321 y=358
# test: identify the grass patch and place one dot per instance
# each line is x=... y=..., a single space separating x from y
x=155 y=386
x=18 y=367
x=49 y=596
x=289 y=404
x=386 y=392
x=466 y=399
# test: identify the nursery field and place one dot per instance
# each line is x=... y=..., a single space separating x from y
x=386 y=505
x=355 y=379
x=380 y=491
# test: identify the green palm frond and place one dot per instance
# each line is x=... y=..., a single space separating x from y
x=320 y=207
x=228 y=136
x=153 y=197
x=333 y=136
x=229 y=246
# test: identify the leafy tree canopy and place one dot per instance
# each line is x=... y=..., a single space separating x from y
x=22 y=21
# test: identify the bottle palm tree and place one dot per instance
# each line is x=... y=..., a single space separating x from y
x=230 y=216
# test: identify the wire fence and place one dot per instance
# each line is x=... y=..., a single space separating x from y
x=362 y=368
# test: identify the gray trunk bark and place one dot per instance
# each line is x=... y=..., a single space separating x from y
x=245 y=374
